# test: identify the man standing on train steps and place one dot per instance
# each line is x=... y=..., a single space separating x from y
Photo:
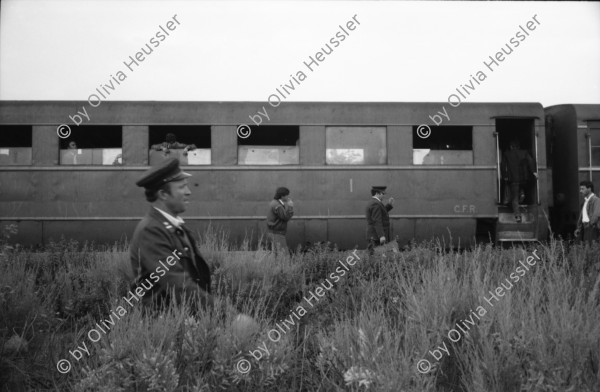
x=163 y=253
x=378 y=219
x=517 y=169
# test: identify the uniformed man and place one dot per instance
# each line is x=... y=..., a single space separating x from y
x=378 y=219
x=163 y=253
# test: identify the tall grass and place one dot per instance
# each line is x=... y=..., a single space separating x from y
x=368 y=331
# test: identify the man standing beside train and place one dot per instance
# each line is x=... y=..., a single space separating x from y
x=378 y=219
x=589 y=217
x=163 y=253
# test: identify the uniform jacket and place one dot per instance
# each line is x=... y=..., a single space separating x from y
x=278 y=217
x=155 y=239
x=378 y=220
x=593 y=211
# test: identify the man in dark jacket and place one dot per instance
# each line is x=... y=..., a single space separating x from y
x=517 y=167
x=378 y=220
x=172 y=143
x=281 y=210
x=163 y=253
x=589 y=215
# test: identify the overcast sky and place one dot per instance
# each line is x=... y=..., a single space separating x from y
x=244 y=51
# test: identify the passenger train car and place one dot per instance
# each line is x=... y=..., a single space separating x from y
x=445 y=178
x=574 y=145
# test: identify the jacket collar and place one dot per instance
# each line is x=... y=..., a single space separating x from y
x=591 y=196
x=174 y=220
x=158 y=216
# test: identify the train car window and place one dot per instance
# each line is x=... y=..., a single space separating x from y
x=444 y=145
x=268 y=145
x=191 y=144
x=355 y=145
x=596 y=182
x=595 y=144
x=15 y=145
x=92 y=145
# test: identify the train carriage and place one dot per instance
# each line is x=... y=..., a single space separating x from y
x=446 y=182
x=573 y=133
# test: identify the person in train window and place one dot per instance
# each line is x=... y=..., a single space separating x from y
x=164 y=256
x=517 y=169
x=172 y=143
x=378 y=219
x=281 y=210
x=71 y=155
x=589 y=217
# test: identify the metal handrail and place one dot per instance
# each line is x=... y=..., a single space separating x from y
x=588 y=136
x=499 y=176
x=537 y=178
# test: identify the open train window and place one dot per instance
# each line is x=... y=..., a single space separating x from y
x=92 y=145
x=268 y=145
x=355 y=145
x=191 y=144
x=15 y=145
x=444 y=145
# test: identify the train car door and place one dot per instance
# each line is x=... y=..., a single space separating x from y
x=521 y=130
x=521 y=225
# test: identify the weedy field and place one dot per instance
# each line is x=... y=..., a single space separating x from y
x=377 y=328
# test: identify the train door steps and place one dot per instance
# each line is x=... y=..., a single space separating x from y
x=509 y=218
x=504 y=236
x=509 y=230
